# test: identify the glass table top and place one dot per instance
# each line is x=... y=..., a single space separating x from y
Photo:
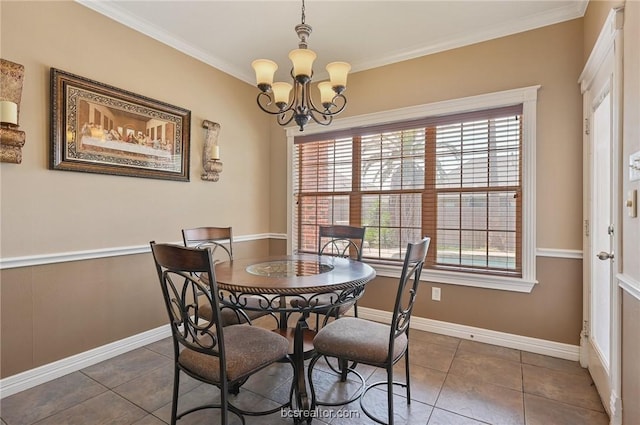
x=289 y=268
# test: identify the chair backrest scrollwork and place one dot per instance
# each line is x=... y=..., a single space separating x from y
x=180 y=270
x=341 y=241
x=213 y=238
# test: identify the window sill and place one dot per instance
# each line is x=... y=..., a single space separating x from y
x=464 y=279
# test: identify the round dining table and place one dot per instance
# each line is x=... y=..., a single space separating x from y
x=287 y=284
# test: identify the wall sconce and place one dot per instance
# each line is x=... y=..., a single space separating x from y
x=211 y=152
x=11 y=138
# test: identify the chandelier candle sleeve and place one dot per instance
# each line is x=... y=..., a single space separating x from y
x=281 y=93
x=302 y=60
x=8 y=112
x=265 y=69
x=338 y=75
x=326 y=94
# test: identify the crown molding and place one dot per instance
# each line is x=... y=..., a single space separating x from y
x=111 y=10
x=572 y=10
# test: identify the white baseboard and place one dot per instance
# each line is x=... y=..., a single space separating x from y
x=30 y=378
x=518 y=342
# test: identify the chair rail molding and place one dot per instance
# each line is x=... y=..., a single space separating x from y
x=559 y=253
x=64 y=257
x=629 y=285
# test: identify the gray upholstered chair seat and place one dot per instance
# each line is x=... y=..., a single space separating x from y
x=358 y=340
x=350 y=339
x=247 y=350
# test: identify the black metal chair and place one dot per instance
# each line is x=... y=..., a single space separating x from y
x=341 y=241
x=219 y=240
x=376 y=344
x=213 y=238
x=206 y=350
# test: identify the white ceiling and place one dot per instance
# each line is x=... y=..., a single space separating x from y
x=230 y=34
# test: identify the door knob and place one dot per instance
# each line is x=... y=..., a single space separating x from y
x=605 y=255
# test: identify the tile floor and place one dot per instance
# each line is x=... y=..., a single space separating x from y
x=453 y=382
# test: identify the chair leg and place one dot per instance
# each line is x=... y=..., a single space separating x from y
x=390 y=393
x=344 y=369
x=174 y=400
x=312 y=389
x=407 y=375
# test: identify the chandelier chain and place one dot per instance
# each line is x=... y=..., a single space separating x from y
x=303 y=12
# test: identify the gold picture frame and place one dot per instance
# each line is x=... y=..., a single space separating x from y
x=97 y=128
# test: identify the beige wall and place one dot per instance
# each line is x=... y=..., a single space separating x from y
x=631 y=138
x=45 y=211
x=550 y=312
x=51 y=212
x=630 y=356
x=552 y=57
x=631 y=226
x=594 y=17
x=54 y=311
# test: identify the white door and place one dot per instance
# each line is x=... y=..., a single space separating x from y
x=601 y=81
x=602 y=233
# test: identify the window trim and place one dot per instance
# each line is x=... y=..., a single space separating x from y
x=528 y=97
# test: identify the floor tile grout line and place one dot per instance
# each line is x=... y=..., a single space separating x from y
x=133 y=378
x=447 y=374
x=568 y=404
x=455 y=352
x=460 y=414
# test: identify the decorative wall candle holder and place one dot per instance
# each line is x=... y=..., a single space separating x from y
x=211 y=152
x=11 y=137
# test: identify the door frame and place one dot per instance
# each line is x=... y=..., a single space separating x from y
x=607 y=47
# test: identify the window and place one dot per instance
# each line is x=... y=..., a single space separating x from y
x=458 y=177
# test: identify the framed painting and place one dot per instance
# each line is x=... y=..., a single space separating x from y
x=97 y=128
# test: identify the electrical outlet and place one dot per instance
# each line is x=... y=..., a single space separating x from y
x=435 y=294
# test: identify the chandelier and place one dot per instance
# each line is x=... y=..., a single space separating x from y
x=276 y=98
